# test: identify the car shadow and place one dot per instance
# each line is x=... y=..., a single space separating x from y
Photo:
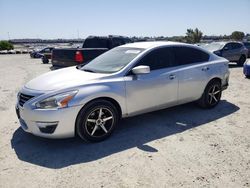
x=131 y=132
x=234 y=65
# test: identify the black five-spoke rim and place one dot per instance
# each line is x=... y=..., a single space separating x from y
x=214 y=95
x=99 y=122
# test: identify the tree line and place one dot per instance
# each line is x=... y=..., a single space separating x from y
x=192 y=36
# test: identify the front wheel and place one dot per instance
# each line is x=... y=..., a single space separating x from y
x=211 y=96
x=45 y=60
x=96 y=121
x=241 y=60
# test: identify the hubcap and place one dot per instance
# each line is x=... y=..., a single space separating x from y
x=99 y=122
x=214 y=95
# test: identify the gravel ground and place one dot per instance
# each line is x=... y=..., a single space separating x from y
x=184 y=146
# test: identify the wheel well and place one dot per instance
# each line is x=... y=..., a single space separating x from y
x=215 y=79
x=114 y=102
x=243 y=55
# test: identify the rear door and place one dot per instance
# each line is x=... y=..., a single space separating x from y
x=156 y=89
x=193 y=71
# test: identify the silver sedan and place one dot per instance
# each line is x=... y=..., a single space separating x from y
x=128 y=80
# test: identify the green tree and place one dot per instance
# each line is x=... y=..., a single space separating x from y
x=5 y=45
x=193 y=36
x=237 y=35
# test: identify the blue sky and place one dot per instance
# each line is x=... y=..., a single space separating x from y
x=64 y=19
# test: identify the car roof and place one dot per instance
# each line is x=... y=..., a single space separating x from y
x=148 y=45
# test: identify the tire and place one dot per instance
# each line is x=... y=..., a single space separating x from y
x=211 y=95
x=92 y=127
x=241 y=60
x=45 y=60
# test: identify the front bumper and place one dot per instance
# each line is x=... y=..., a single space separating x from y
x=53 y=123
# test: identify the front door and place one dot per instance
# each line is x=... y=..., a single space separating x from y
x=156 y=89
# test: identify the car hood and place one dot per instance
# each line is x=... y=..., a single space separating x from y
x=63 y=78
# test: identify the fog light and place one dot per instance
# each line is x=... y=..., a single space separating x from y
x=47 y=127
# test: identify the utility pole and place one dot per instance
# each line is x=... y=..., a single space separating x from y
x=8 y=35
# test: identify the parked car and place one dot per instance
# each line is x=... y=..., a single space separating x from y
x=247 y=45
x=232 y=51
x=246 y=69
x=92 y=47
x=40 y=53
x=11 y=51
x=129 y=80
x=4 y=52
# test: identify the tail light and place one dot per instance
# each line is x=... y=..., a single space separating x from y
x=78 y=57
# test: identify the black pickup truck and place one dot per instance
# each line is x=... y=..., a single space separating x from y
x=93 y=46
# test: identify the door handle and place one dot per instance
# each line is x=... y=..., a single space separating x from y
x=205 y=69
x=172 y=76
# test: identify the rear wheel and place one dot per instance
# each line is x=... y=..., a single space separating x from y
x=241 y=60
x=212 y=95
x=96 y=121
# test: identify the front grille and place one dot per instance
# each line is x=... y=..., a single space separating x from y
x=24 y=98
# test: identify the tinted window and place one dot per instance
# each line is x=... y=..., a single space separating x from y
x=96 y=43
x=47 y=50
x=117 y=42
x=229 y=46
x=247 y=44
x=236 y=45
x=186 y=55
x=158 y=59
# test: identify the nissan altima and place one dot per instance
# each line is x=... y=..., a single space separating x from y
x=126 y=81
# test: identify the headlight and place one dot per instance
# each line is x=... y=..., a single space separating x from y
x=57 y=101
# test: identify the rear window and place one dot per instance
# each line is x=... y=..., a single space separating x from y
x=188 y=55
x=96 y=43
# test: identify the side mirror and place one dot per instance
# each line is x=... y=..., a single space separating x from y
x=142 y=69
x=225 y=48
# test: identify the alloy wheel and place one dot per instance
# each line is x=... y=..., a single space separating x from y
x=214 y=94
x=99 y=122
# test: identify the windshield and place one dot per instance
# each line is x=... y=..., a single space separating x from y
x=113 y=60
x=214 y=46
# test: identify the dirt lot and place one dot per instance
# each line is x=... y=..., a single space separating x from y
x=181 y=146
